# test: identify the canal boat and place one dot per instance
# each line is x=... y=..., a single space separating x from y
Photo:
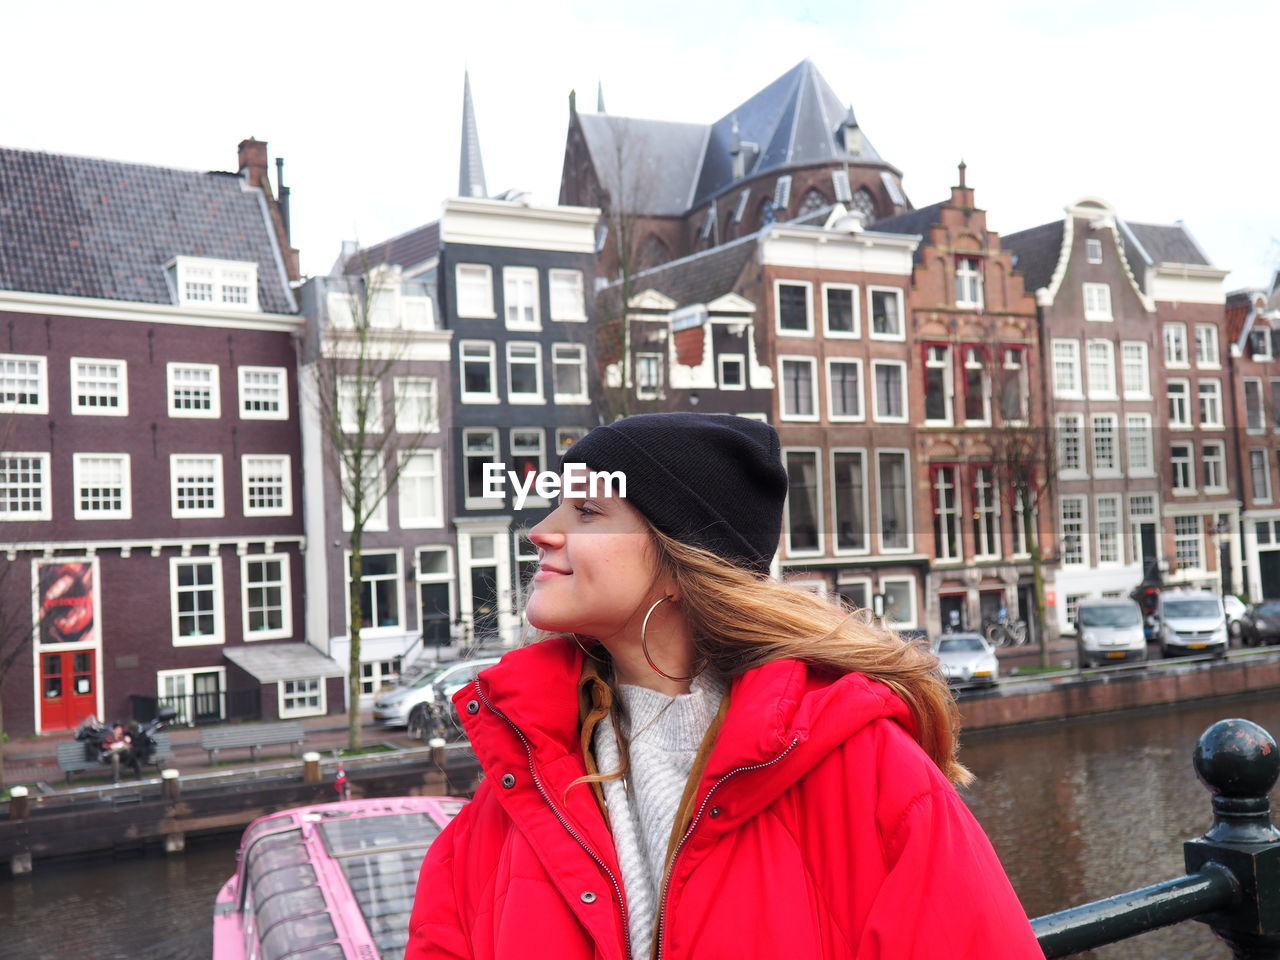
x=331 y=881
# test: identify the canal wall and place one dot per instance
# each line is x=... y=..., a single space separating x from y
x=1114 y=690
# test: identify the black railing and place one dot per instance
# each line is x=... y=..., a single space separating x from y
x=1233 y=878
x=200 y=709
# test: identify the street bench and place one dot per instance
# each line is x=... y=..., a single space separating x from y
x=77 y=757
x=255 y=736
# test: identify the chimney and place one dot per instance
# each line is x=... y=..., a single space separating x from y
x=282 y=198
x=253 y=161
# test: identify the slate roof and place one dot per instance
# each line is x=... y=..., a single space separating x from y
x=83 y=227
x=1152 y=243
x=407 y=250
x=912 y=223
x=1036 y=253
x=648 y=166
x=699 y=278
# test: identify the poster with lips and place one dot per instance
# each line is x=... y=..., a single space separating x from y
x=66 y=601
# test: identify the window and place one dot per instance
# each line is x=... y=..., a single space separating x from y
x=1213 y=460
x=268 y=612
x=99 y=387
x=1097 y=301
x=569 y=372
x=733 y=371
x=986 y=514
x=1260 y=475
x=937 y=384
x=782 y=193
x=969 y=282
x=1102 y=369
x=520 y=296
x=566 y=437
x=479 y=446
x=195 y=601
x=855 y=591
x=977 y=387
x=1020 y=548
x=262 y=393
x=844 y=389
x=1105 y=460
x=1139 y=444
x=1070 y=440
x=946 y=513
x=889 y=389
x=416 y=405
x=196 y=485
x=895 y=528
x=527 y=450
x=804 y=503
x=193 y=390
x=1135 y=369
x=225 y=284
x=1175 y=345
x=1275 y=402
x=302 y=698
x=648 y=376
x=360 y=405
x=886 y=313
x=1180 y=455
x=1071 y=604
x=373 y=479
x=524 y=372
x=101 y=485
x=1210 y=392
x=24 y=486
x=1260 y=343
x=1066 y=368
x=567 y=301
x=1071 y=511
x=376 y=674
x=1179 y=408
x=1187 y=536
x=899 y=601
x=381 y=591
x=794 y=307
x=417 y=313
x=23 y=384
x=841 y=309
x=840 y=186
x=475 y=290
x=479 y=380
x=1093 y=250
x=849 y=489
x=798 y=388
x=1108 y=515
x=1015 y=391
x=268 y=486
x=1254 y=416
x=420 y=499
x=1206 y=345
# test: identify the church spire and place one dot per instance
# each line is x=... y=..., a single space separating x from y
x=471 y=170
x=600 y=96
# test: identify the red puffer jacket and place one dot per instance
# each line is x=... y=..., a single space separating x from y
x=821 y=830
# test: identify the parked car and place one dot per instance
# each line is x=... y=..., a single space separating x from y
x=1236 y=610
x=1192 y=621
x=1109 y=629
x=1260 y=624
x=392 y=708
x=967 y=658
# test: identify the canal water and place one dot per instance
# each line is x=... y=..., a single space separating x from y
x=1076 y=812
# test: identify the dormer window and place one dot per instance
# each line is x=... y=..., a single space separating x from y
x=215 y=284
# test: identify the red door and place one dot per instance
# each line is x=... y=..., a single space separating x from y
x=67 y=692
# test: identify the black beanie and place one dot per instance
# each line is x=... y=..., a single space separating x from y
x=710 y=480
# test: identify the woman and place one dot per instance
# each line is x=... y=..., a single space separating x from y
x=703 y=762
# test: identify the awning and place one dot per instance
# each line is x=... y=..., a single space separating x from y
x=273 y=662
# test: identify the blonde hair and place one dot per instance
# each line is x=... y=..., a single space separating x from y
x=741 y=621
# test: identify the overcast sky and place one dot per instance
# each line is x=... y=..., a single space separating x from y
x=1161 y=108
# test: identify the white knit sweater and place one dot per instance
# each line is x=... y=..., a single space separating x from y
x=664 y=734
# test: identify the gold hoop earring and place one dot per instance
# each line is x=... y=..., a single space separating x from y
x=574 y=638
x=644 y=644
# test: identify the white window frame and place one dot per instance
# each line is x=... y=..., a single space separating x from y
x=1184 y=537
x=558 y=278
x=492 y=456
x=836 y=549
x=175 y=369
x=807 y=330
x=1093 y=250
x=1264 y=497
x=1184 y=422
x=285 y=464
x=284 y=695
x=896 y=292
x=975 y=359
x=566 y=437
x=655 y=390
x=804 y=360
x=417 y=401
x=479 y=307
x=1105 y=389
x=943 y=363
x=1142 y=438
x=1070 y=424
x=908 y=496
x=491 y=357
x=1260 y=336
x=946 y=519
x=433 y=517
x=1261 y=425
x=1063 y=351
x=281 y=391
x=1100 y=469
x=218 y=507
x=376 y=520
x=855 y=307
x=903 y=394
x=986 y=514
x=8 y=384
x=1082 y=502
x=396 y=629
x=915 y=602
x=968 y=281
x=1013 y=362
x=741 y=360
x=348 y=390
x=1214 y=398
x=1116 y=521
x=1220 y=458
x=539 y=395
x=533 y=500
x=815 y=453
x=78 y=388
x=1097 y=301
x=219 y=633
x=1135 y=370
x=1176 y=355
x=45 y=492
x=78 y=463
x=1186 y=466
x=285 y=630
x=861 y=414
x=219 y=276
x=579 y=361
x=188 y=686
x=1206 y=338
x=524 y=282
x=844 y=580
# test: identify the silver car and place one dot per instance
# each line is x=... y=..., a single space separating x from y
x=967 y=658
x=392 y=707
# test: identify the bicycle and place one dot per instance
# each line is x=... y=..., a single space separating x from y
x=1004 y=631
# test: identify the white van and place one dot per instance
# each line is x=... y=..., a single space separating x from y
x=1192 y=621
x=1109 y=631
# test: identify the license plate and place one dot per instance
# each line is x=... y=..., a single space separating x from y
x=1115 y=655
x=1195 y=646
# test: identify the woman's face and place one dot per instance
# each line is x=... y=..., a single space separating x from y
x=597 y=568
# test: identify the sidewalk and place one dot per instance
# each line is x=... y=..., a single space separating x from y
x=30 y=759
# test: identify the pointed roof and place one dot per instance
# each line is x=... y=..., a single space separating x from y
x=1036 y=252
x=471 y=169
x=600 y=96
x=647 y=166
x=1154 y=243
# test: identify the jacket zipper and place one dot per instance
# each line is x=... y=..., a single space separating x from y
x=537 y=782
x=693 y=824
